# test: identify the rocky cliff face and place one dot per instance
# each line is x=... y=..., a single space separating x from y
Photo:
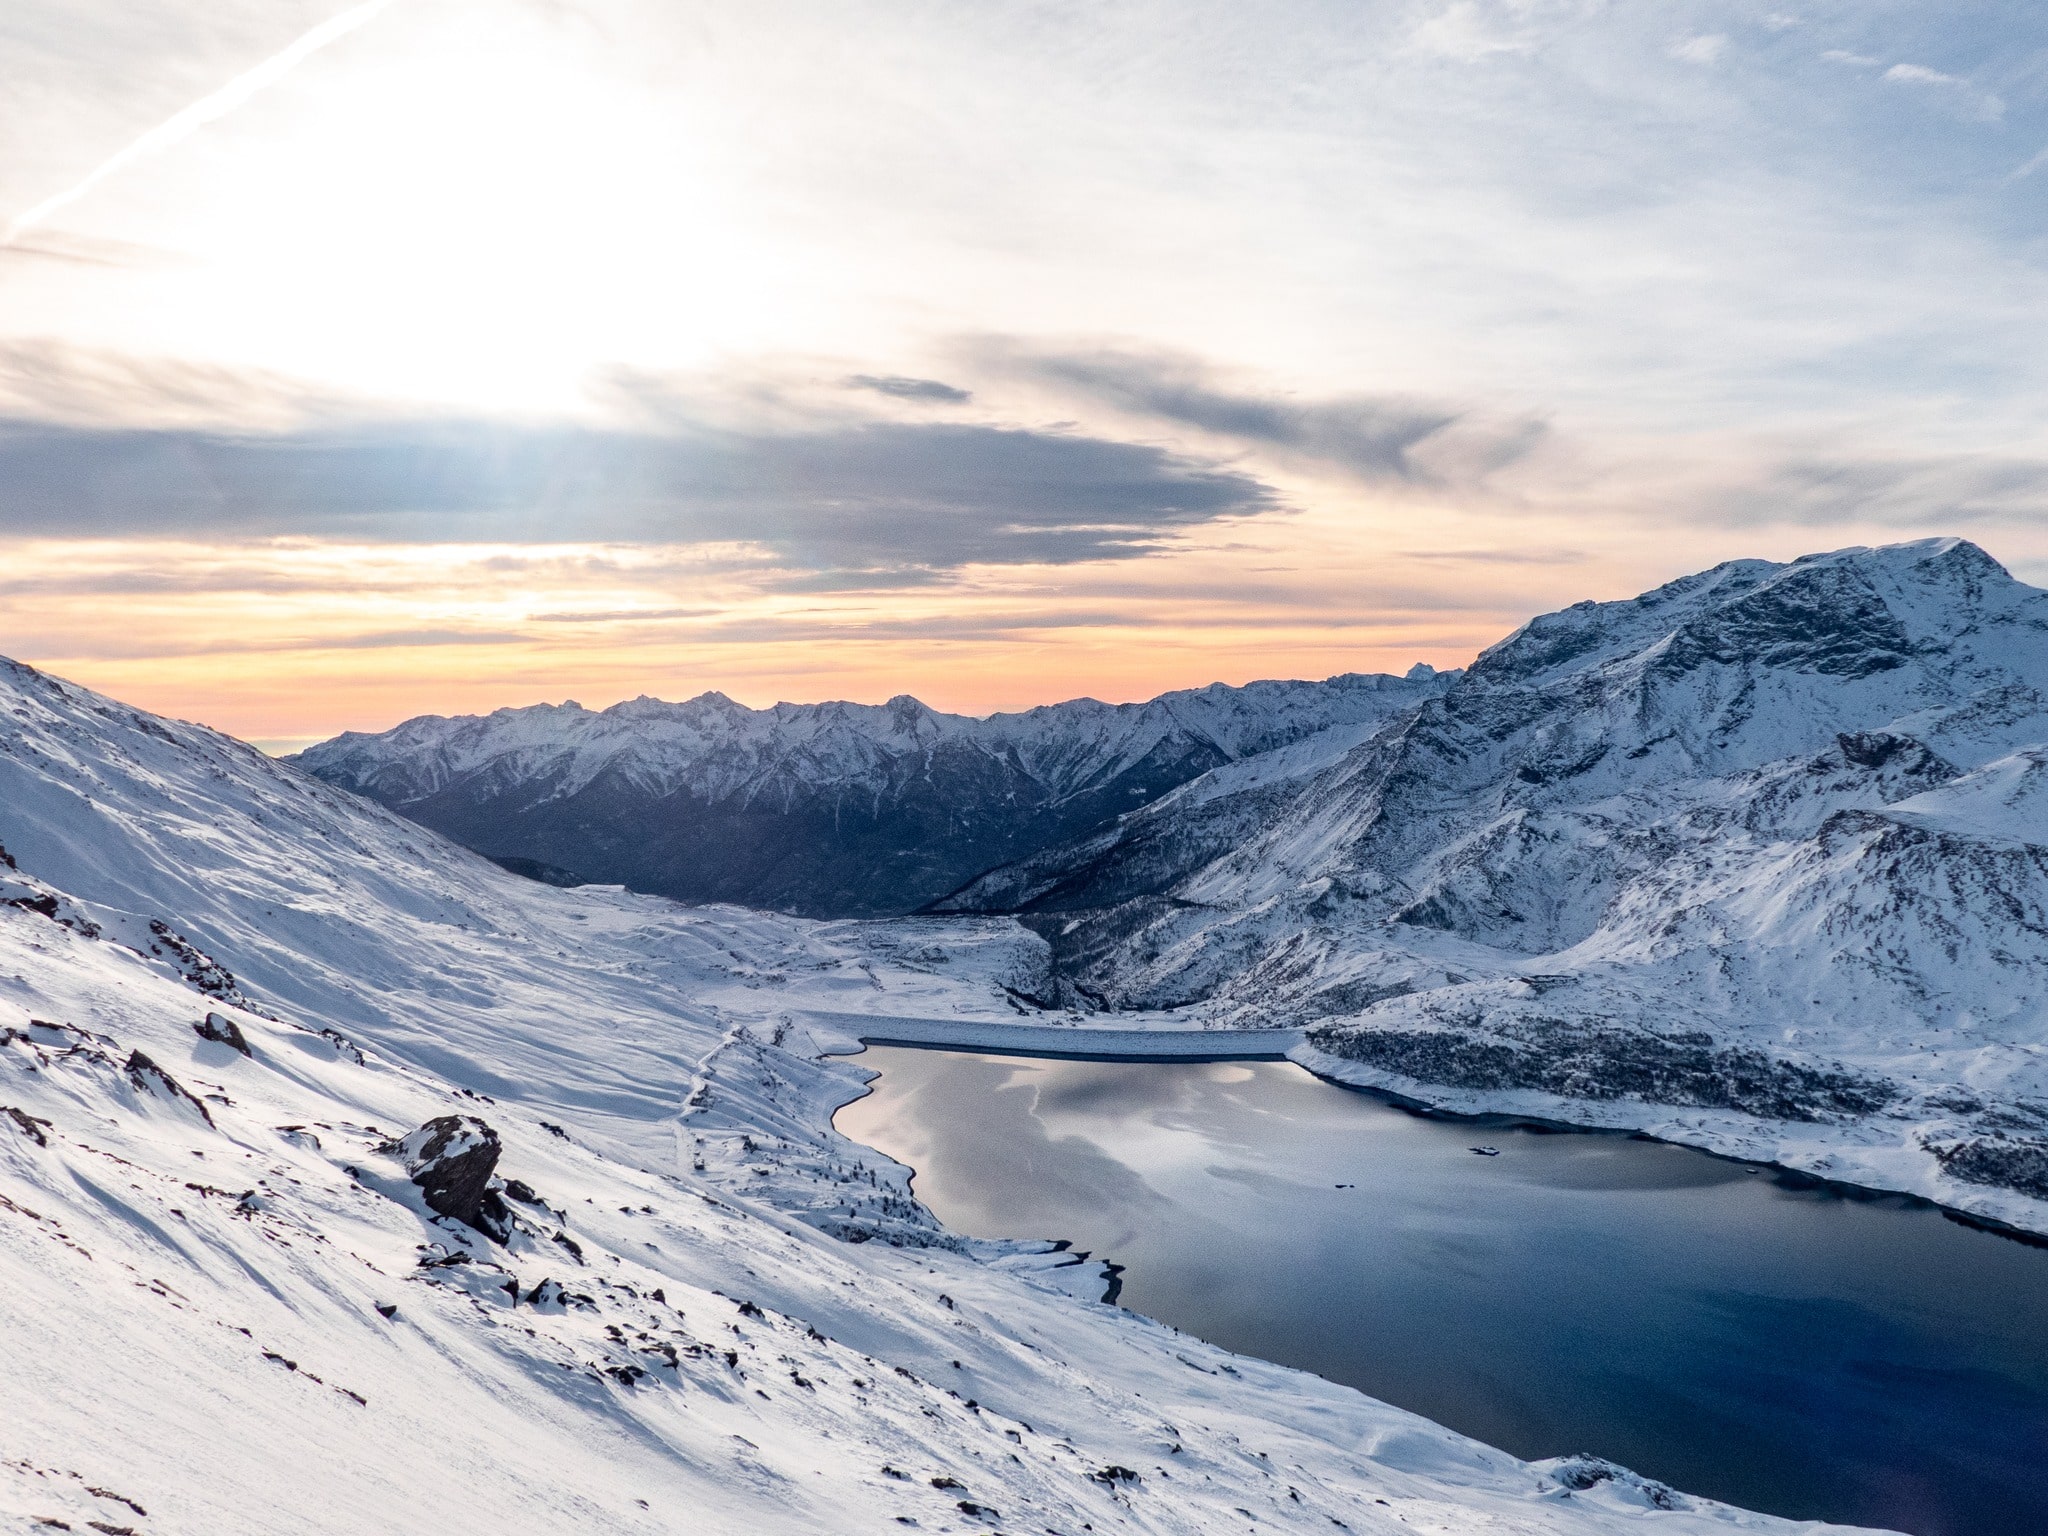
x=818 y=809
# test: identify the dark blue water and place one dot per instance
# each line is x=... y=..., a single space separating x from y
x=1783 y=1348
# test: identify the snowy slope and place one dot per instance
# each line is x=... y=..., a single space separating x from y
x=227 y=995
x=823 y=809
x=1757 y=860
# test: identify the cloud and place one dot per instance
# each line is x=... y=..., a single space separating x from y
x=870 y=579
x=1536 y=556
x=1704 y=49
x=1915 y=74
x=1980 y=105
x=53 y=381
x=871 y=496
x=113 y=645
x=1933 y=493
x=620 y=615
x=973 y=625
x=82 y=250
x=1461 y=31
x=215 y=577
x=217 y=104
x=406 y=639
x=1386 y=438
x=899 y=388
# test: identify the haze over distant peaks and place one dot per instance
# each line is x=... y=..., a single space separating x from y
x=843 y=810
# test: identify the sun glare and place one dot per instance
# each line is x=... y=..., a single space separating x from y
x=482 y=215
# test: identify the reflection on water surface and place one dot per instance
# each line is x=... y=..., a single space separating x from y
x=1791 y=1350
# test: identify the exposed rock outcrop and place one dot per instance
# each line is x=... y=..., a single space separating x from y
x=454 y=1160
x=150 y=1078
x=224 y=1031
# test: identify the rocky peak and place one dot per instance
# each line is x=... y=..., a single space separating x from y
x=1850 y=613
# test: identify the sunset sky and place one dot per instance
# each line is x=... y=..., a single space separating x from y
x=436 y=355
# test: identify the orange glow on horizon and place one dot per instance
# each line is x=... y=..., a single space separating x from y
x=287 y=642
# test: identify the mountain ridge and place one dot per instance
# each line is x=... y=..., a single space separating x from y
x=834 y=809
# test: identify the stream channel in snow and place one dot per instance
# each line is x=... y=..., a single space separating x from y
x=1734 y=1333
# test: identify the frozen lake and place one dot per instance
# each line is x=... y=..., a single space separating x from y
x=1861 y=1360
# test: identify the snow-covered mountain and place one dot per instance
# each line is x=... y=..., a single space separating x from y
x=351 y=1184
x=837 y=810
x=1763 y=848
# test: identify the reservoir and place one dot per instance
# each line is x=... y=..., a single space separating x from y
x=1736 y=1334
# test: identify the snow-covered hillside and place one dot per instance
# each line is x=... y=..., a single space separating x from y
x=823 y=809
x=350 y=1184
x=1757 y=860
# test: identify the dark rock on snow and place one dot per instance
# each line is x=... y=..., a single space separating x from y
x=31 y=1126
x=453 y=1160
x=1580 y=1061
x=1581 y=1472
x=2012 y=1162
x=224 y=1030
x=147 y=1076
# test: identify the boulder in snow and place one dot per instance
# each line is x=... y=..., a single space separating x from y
x=226 y=1031
x=453 y=1159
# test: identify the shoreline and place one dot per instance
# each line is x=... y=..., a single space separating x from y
x=1169 y=1045
x=939 y=1111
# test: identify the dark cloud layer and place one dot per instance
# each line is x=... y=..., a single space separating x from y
x=897 y=387
x=868 y=497
x=1381 y=438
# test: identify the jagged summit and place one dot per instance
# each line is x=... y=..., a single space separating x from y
x=1848 y=613
x=1745 y=665
x=831 y=809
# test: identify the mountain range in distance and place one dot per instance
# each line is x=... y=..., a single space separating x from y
x=820 y=810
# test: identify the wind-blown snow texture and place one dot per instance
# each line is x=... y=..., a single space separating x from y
x=229 y=998
x=1758 y=861
x=830 y=810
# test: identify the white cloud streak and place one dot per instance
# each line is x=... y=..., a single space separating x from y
x=1919 y=74
x=1705 y=49
x=1984 y=106
x=207 y=109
